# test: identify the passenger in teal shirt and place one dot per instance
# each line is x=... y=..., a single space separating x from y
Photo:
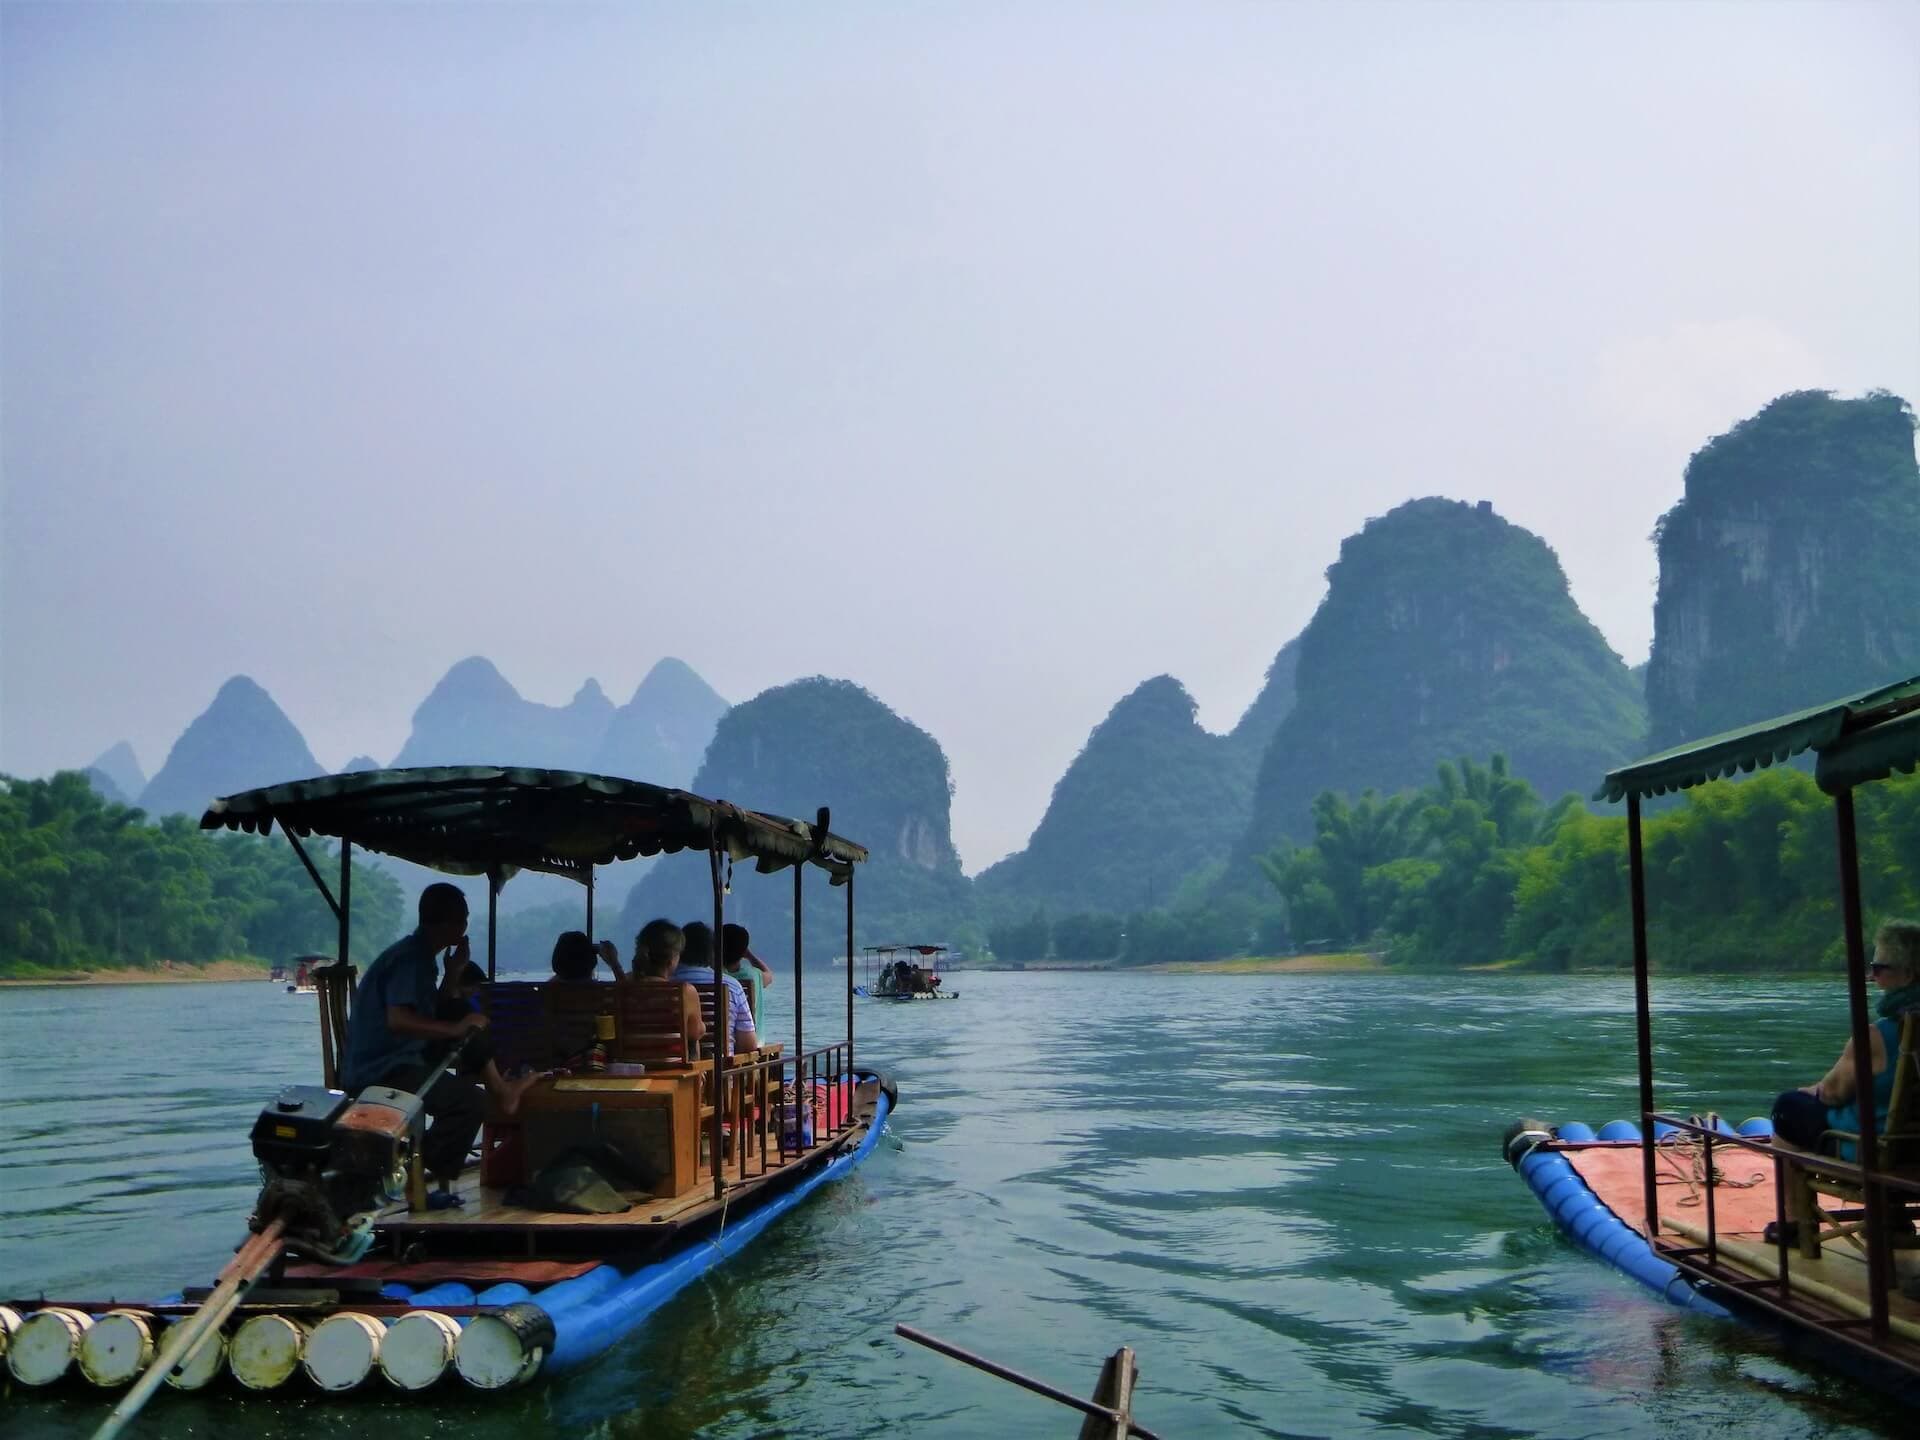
x=746 y=967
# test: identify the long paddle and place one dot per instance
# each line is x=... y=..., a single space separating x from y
x=178 y=1345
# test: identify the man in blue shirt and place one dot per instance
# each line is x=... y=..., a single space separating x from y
x=696 y=968
x=393 y=1023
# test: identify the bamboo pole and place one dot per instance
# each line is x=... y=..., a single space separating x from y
x=1107 y=1413
x=177 y=1347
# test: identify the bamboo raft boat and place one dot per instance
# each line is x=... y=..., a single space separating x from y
x=1820 y=1245
x=491 y=1292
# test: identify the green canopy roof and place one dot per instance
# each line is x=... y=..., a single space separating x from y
x=1758 y=746
x=1871 y=753
x=477 y=819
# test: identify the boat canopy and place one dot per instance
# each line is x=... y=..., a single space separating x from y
x=1841 y=732
x=485 y=819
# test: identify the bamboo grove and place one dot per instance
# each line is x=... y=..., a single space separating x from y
x=87 y=884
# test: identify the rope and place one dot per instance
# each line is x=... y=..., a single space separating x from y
x=1685 y=1157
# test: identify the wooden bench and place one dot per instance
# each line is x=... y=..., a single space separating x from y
x=1896 y=1152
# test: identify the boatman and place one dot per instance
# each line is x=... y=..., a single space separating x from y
x=393 y=1023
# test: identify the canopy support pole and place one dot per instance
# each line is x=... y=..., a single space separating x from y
x=319 y=883
x=799 y=970
x=722 y=1020
x=849 y=968
x=590 y=908
x=1642 y=1007
x=1878 y=1279
x=345 y=908
x=493 y=920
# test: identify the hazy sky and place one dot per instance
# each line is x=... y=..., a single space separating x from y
x=995 y=356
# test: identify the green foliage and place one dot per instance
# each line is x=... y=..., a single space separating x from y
x=1445 y=631
x=1739 y=876
x=1786 y=570
x=1021 y=942
x=1086 y=936
x=87 y=883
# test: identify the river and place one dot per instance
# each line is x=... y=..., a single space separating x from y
x=1284 y=1191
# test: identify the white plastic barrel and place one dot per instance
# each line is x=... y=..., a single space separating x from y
x=117 y=1347
x=45 y=1344
x=205 y=1366
x=418 y=1347
x=265 y=1351
x=342 y=1350
x=495 y=1353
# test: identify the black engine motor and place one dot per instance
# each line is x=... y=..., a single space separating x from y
x=329 y=1162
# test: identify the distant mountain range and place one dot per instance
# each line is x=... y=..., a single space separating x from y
x=1785 y=578
x=472 y=717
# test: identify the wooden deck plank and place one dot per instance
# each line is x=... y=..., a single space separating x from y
x=484 y=1207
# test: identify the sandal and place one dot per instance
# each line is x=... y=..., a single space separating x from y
x=444 y=1200
x=1781 y=1233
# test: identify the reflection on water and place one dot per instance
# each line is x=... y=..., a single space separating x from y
x=1285 y=1191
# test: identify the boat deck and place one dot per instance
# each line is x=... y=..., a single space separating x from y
x=1744 y=1205
x=486 y=1221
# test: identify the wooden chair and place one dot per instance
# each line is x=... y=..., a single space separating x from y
x=517 y=1020
x=573 y=1010
x=334 y=986
x=1897 y=1151
x=650 y=1028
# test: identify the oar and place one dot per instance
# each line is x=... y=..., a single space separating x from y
x=1039 y=1387
x=177 y=1347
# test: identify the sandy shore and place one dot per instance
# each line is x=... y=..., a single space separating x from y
x=1268 y=965
x=178 y=974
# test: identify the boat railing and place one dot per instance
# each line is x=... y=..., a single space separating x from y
x=1707 y=1251
x=771 y=1129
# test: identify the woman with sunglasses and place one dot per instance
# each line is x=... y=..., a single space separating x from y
x=1802 y=1117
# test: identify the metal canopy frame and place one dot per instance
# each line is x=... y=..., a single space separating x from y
x=1856 y=741
x=495 y=820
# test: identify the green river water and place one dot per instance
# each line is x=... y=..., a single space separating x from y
x=1284 y=1191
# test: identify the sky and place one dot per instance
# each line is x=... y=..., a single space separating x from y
x=997 y=357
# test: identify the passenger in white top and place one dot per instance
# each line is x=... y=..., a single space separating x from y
x=696 y=968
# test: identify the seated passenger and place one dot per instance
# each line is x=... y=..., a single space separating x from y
x=745 y=966
x=574 y=999
x=460 y=996
x=1802 y=1117
x=696 y=967
x=574 y=957
x=394 y=1021
x=656 y=959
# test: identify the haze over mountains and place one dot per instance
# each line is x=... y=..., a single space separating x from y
x=1445 y=631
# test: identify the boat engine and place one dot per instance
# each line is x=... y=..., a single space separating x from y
x=328 y=1163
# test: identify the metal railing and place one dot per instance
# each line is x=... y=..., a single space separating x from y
x=763 y=1129
x=1776 y=1293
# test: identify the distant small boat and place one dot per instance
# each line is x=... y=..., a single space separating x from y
x=302 y=981
x=901 y=975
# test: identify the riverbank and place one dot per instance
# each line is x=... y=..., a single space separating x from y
x=131 y=975
x=1268 y=965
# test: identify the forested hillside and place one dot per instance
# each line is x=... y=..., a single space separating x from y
x=1473 y=869
x=88 y=884
x=241 y=740
x=1150 y=799
x=819 y=742
x=1445 y=631
x=1787 y=572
